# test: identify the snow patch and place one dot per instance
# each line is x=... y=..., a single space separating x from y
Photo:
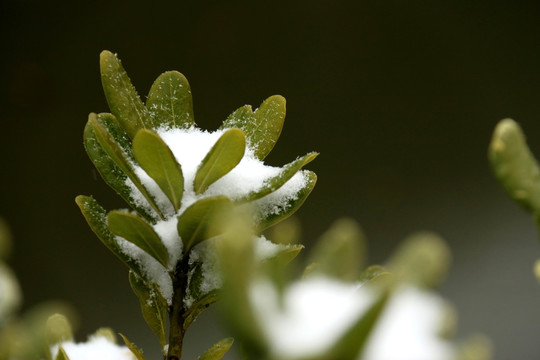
x=95 y=348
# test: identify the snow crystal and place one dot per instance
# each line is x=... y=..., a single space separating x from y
x=314 y=314
x=167 y=231
x=409 y=328
x=95 y=348
x=153 y=268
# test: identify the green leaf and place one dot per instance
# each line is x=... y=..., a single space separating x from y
x=121 y=95
x=96 y=217
x=134 y=349
x=372 y=273
x=155 y=157
x=137 y=231
x=286 y=173
x=218 y=350
x=422 y=258
x=106 y=333
x=169 y=101
x=120 y=156
x=202 y=220
x=58 y=330
x=109 y=171
x=226 y=153
x=263 y=127
x=340 y=251
x=61 y=355
x=198 y=307
x=153 y=307
x=515 y=166
x=265 y=220
x=353 y=341
x=286 y=255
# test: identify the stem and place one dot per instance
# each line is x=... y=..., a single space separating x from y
x=177 y=313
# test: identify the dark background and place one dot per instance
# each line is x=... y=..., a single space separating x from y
x=399 y=97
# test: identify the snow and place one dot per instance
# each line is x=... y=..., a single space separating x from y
x=409 y=328
x=314 y=314
x=95 y=348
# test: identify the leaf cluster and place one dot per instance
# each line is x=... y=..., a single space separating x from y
x=127 y=139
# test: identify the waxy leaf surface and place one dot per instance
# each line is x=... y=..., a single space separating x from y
x=155 y=157
x=169 y=101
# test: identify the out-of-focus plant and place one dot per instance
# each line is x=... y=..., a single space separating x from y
x=341 y=309
x=516 y=168
x=29 y=335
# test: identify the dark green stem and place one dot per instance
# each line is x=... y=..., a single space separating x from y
x=177 y=311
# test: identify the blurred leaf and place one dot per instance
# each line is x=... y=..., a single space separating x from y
x=169 y=101
x=202 y=220
x=137 y=231
x=237 y=266
x=27 y=336
x=5 y=239
x=113 y=175
x=154 y=309
x=121 y=95
x=96 y=217
x=476 y=347
x=134 y=349
x=106 y=333
x=226 y=153
x=264 y=221
x=514 y=165
x=288 y=254
x=286 y=173
x=353 y=341
x=340 y=251
x=372 y=273
x=262 y=127
x=155 y=157
x=120 y=156
x=58 y=330
x=218 y=350
x=423 y=259
x=61 y=355
x=198 y=307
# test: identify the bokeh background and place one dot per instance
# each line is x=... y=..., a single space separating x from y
x=399 y=97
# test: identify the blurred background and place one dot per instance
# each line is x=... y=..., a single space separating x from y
x=399 y=97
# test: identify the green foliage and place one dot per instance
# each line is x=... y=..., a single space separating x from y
x=340 y=251
x=262 y=127
x=122 y=97
x=218 y=350
x=515 y=166
x=133 y=348
x=222 y=158
x=126 y=145
x=153 y=306
x=158 y=161
x=169 y=101
x=135 y=230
